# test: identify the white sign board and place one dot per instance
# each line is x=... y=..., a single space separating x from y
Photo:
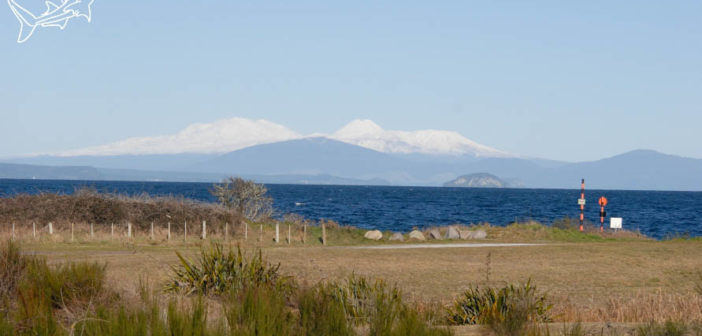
x=581 y=201
x=615 y=223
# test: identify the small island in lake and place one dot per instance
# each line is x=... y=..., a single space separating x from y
x=478 y=180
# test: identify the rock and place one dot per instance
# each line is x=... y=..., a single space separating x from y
x=477 y=234
x=373 y=235
x=435 y=234
x=452 y=233
x=397 y=237
x=416 y=234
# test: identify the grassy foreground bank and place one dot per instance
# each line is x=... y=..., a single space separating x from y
x=628 y=281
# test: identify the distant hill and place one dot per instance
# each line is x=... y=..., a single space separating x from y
x=478 y=180
x=152 y=162
x=23 y=171
x=635 y=170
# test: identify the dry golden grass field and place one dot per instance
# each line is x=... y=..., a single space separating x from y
x=588 y=278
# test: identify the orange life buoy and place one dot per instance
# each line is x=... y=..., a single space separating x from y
x=603 y=201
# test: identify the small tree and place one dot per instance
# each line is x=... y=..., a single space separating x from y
x=246 y=197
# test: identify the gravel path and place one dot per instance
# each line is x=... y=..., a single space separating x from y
x=416 y=246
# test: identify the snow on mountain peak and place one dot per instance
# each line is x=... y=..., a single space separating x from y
x=236 y=133
x=218 y=137
x=366 y=133
x=359 y=128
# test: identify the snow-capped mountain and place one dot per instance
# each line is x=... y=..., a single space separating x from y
x=228 y=135
x=366 y=133
x=218 y=137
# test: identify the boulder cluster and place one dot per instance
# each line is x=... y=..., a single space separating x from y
x=452 y=233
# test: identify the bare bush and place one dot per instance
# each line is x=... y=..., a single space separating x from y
x=245 y=197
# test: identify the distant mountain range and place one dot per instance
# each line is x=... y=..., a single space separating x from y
x=361 y=152
x=227 y=135
x=321 y=160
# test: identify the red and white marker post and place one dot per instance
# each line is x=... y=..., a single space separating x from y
x=603 y=213
x=581 y=202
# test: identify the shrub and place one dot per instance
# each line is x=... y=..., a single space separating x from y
x=12 y=267
x=40 y=295
x=321 y=313
x=361 y=299
x=260 y=310
x=512 y=306
x=178 y=319
x=66 y=285
x=90 y=206
x=219 y=272
x=362 y=302
x=247 y=198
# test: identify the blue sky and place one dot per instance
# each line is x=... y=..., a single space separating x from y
x=554 y=79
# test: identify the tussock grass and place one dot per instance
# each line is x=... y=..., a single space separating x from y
x=37 y=296
x=321 y=314
x=12 y=267
x=218 y=271
x=257 y=310
x=334 y=307
x=506 y=310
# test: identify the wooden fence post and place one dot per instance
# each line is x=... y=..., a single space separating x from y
x=92 y=232
x=203 y=235
x=129 y=230
x=288 y=233
x=152 y=230
x=72 y=227
x=51 y=229
x=324 y=234
x=169 y=231
x=246 y=231
x=277 y=233
x=112 y=230
x=34 y=230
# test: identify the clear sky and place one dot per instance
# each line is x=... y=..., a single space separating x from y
x=555 y=79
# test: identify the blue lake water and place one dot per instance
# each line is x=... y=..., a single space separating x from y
x=657 y=214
